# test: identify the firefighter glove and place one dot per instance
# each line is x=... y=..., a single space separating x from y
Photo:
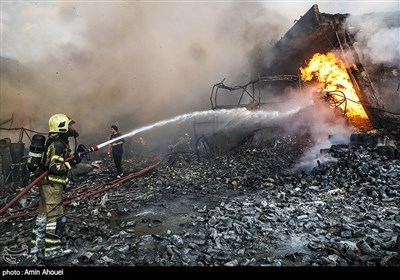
x=76 y=159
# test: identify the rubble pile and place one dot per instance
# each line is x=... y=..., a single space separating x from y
x=247 y=207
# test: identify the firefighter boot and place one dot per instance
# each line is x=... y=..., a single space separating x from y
x=53 y=248
x=54 y=232
x=38 y=234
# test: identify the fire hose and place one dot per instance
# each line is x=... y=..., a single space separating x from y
x=41 y=176
x=24 y=191
x=85 y=194
x=92 y=149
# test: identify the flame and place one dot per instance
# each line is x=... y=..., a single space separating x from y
x=327 y=69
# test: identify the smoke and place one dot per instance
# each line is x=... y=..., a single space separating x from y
x=132 y=63
x=320 y=122
x=128 y=63
x=378 y=38
x=379 y=34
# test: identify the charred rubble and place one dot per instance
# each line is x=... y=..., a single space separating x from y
x=235 y=197
x=243 y=208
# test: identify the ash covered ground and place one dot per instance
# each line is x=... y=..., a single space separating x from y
x=244 y=207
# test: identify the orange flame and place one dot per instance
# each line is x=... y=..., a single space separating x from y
x=327 y=69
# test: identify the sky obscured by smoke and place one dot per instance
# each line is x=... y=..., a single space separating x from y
x=134 y=63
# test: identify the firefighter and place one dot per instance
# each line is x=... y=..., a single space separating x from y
x=51 y=221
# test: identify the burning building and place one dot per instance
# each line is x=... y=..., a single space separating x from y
x=330 y=55
x=342 y=213
x=333 y=55
x=327 y=52
x=329 y=49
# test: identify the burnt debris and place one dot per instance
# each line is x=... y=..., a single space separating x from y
x=234 y=195
x=244 y=208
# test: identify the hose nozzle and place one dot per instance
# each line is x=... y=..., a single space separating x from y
x=93 y=149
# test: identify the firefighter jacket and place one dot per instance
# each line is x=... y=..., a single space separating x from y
x=56 y=155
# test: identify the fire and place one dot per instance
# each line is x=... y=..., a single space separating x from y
x=327 y=69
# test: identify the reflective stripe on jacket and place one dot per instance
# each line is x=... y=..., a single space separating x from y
x=58 y=168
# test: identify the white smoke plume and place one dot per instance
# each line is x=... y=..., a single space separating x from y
x=378 y=38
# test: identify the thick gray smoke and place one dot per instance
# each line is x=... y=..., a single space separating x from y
x=131 y=63
x=128 y=63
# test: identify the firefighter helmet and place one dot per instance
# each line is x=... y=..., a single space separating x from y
x=60 y=123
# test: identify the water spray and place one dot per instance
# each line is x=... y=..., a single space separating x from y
x=181 y=118
x=94 y=148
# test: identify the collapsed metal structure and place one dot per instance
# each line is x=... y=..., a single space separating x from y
x=252 y=90
x=314 y=32
x=317 y=32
